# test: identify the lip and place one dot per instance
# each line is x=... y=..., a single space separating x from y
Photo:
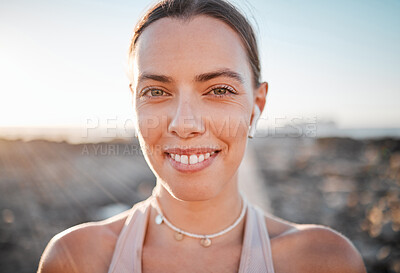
x=188 y=168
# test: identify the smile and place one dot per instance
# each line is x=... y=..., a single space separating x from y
x=191 y=159
x=186 y=162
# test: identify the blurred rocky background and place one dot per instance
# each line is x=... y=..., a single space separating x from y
x=350 y=185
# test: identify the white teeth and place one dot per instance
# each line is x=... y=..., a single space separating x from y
x=193 y=159
x=184 y=159
x=201 y=158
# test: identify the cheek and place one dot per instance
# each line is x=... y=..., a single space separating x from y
x=228 y=126
x=150 y=125
x=231 y=127
x=230 y=121
x=151 y=120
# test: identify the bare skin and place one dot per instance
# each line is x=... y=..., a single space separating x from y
x=176 y=104
x=295 y=248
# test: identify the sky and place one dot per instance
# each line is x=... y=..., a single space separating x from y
x=63 y=63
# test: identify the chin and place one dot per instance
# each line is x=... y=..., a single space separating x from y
x=191 y=191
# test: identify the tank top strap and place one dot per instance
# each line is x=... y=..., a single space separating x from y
x=127 y=255
x=256 y=250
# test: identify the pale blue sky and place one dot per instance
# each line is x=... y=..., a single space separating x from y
x=62 y=62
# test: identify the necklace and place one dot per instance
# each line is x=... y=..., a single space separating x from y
x=206 y=238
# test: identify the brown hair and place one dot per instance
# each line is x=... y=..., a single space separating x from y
x=219 y=9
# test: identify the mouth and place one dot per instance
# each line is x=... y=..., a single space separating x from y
x=189 y=161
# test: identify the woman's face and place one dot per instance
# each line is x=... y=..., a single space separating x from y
x=194 y=100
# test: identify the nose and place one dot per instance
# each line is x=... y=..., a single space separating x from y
x=187 y=121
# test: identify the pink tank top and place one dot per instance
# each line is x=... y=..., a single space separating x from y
x=255 y=255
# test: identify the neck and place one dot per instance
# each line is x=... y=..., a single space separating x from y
x=202 y=217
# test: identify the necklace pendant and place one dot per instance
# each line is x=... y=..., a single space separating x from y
x=159 y=219
x=206 y=242
x=178 y=236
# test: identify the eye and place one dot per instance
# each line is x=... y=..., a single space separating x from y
x=219 y=91
x=156 y=92
x=222 y=91
x=153 y=92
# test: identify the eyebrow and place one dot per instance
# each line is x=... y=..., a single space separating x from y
x=159 y=78
x=224 y=72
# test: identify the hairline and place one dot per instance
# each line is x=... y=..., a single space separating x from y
x=186 y=18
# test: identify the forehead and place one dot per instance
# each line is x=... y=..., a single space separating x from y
x=178 y=47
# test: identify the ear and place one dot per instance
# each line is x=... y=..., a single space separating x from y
x=260 y=98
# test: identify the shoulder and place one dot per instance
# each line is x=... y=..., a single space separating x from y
x=311 y=248
x=86 y=247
